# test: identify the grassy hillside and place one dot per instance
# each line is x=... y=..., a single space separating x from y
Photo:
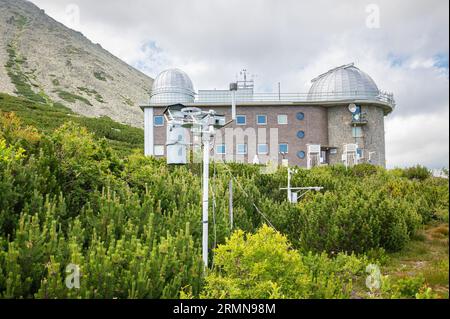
x=43 y=61
x=46 y=118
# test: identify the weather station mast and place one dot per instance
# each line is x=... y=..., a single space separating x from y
x=203 y=124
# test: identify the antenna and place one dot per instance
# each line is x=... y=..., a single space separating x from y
x=293 y=192
x=246 y=83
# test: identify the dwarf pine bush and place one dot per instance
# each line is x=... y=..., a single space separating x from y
x=133 y=224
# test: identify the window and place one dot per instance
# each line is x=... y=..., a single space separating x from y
x=360 y=153
x=300 y=116
x=301 y=134
x=301 y=154
x=261 y=119
x=241 y=149
x=284 y=148
x=323 y=157
x=158 y=120
x=357 y=131
x=241 y=120
x=159 y=150
x=263 y=149
x=221 y=149
x=282 y=119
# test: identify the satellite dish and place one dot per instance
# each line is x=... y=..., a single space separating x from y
x=352 y=108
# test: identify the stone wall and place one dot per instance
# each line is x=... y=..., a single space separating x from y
x=372 y=140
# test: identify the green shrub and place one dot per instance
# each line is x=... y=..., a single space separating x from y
x=417 y=172
x=133 y=223
x=406 y=288
x=264 y=265
x=362 y=170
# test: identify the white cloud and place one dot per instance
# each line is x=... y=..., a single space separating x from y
x=429 y=136
x=291 y=42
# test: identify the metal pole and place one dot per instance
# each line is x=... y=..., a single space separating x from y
x=289 y=194
x=233 y=105
x=279 y=91
x=206 y=138
x=230 y=189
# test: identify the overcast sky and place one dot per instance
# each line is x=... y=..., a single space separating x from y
x=405 y=50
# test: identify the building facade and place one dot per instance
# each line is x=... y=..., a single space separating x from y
x=340 y=120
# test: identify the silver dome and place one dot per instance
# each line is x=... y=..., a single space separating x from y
x=343 y=83
x=172 y=86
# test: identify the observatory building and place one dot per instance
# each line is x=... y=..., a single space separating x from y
x=340 y=120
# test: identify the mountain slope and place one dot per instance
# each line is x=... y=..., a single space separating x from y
x=46 y=118
x=44 y=61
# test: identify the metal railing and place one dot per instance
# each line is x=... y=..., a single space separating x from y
x=224 y=97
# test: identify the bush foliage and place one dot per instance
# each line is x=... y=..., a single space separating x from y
x=133 y=225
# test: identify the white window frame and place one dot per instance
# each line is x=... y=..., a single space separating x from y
x=158 y=125
x=245 y=118
x=159 y=147
x=263 y=153
x=224 y=149
x=284 y=115
x=287 y=146
x=257 y=118
x=241 y=153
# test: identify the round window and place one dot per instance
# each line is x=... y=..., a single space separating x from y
x=300 y=134
x=300 y=116
x=301 y=154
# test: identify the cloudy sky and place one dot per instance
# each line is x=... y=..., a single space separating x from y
x=403 y=45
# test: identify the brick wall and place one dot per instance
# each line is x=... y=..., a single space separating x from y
x=314 y=125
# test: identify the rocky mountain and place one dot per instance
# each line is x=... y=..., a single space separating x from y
x=44 y=61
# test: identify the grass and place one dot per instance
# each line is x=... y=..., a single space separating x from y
x=46 y=118
x=426 y=255
x=99 y=75
x=91 y=92
x=21 y=21
x=127 y=101
x=71 y=98
x=20 y=80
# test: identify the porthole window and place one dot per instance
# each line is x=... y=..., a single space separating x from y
x=158 y=120
x=301 y=154
x=300 y=134
x=300 y=116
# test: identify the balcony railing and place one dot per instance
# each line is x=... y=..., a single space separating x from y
x=359 y=119
x=224 y=97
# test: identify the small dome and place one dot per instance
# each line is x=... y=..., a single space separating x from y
x=343 y=83
x=172 y=86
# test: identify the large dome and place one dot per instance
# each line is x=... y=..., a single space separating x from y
x=172 y=86
x=343 y=83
